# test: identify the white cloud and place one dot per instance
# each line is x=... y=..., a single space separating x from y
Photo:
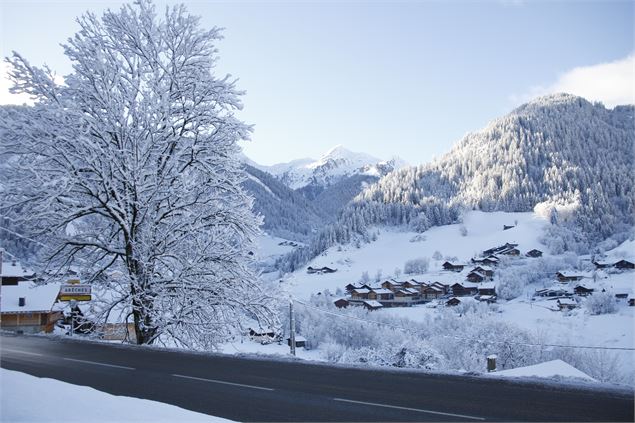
x=612 y=83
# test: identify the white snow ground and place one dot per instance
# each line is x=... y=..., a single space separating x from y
x=549 y=369
x=27 y=398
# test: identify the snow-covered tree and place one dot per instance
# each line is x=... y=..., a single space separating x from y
x=129 y=171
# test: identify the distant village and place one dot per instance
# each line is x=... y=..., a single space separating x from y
x=477 y=285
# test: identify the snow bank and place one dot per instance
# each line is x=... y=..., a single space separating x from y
x=549 y=369
x=27 y=398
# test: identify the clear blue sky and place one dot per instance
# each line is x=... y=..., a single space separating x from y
x=388 y=78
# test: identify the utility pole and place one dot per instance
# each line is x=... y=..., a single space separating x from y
x=292 y=328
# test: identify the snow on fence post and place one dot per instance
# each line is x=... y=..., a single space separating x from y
x=491 y=363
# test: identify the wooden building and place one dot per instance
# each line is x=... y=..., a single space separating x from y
x=582 y=291
x=453 y=267
x=624 y=264
x=27 y=307
x=568 y=277
x=12 y=273
x=534 y=253
x=341 y=303
x=464 y=290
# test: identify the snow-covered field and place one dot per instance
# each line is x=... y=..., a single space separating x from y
x=393 y=248
x=540 y=317
x=53 y=400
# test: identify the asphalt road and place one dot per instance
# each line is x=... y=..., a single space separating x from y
x=268 y=390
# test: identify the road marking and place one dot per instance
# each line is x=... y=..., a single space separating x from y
x=21 y=352
x=410 y=409
x=225 y=383
x=99 y=364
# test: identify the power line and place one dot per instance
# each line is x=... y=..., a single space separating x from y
x=528 y=344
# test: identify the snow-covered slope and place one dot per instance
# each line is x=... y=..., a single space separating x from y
x=335 y=164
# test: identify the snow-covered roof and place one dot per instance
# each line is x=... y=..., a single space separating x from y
x=38 y=298
x=411 y=290
x=486 y=297
x=373 y=303
x=488 y=285
x=13 y=269
x=382 y=291
x=361 y=290
x=567 y=301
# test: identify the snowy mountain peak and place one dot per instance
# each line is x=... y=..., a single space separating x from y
x=334 y=165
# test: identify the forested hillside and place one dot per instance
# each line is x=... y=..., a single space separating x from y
x=561 y=155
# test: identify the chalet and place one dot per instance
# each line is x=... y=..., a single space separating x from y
x=406 y=297
x=496 y=250
x=453 y=267
x=550 y=292
x=487 y=289
x=631 y=301
x=260 y=334
x=27 y=307
x=464 y=290
x=510 y=252
x=624 y=264
x=453 y=302
x=621 y=296
x=432 y=293
x=484 y=270
x=602 y=264
x=476 y=277
x=506 y=227
x=320 y=270
x=445 y=288
x=490 y=299
x=360 y=294
x=300 y=341
x=341 y=303
x=568 y=277
x=411 y=284
x=349 y=288
x=381 y=294
x=372 y=305
x=534 y=253
x=392 y=285
x=12 y=272
x=567 y=304
x=582 y=291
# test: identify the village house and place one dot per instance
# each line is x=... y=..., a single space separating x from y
x=27 y=307
x=372 y=305
x=568 y=277
x=320 y=270
x=381 y=294
x=391 y=285
x=496 y=250
x=432 y=293
x=444 y=287
x=551 y=292
x=262 y=335
x=341 y=303
x=567 y=304
x=487 y=289
x=534 y=253
x=484 y=270
x=452 y=302
x=490 y=299
x=453 y=267
x=359 y=294
x=506 y=227
x=582 y=291
x=12 y=273
x=510 y=252
x=624 y=264
x=476 y=277
x=602 y=264
x=465 y=289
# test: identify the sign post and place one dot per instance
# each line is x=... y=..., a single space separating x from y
x=73 y=292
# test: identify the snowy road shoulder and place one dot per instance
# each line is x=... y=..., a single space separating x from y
x=21 y=391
